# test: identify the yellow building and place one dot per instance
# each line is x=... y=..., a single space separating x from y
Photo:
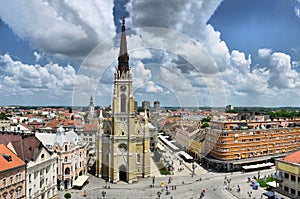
x=287 y=176
x=123 y=152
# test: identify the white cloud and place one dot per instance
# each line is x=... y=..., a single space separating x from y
x=67 y=28
x=151 y=87
x=281 y=73
x=37 y=56
x=51 y=80
x=264 y=53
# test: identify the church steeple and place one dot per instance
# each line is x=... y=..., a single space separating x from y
x=123 y=56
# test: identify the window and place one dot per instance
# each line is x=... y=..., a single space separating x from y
x=91 y=139
x=29 y=178
x=66 y=159
x=30 y=192
x=66 y=147
x=251 y=133
x=286 y=189
x=4 y=182
x=18 y=192
x=11 y=179
x=244 y=133
x=257 y=139
x=293 y=178
x=250 y=140
x=138 y=158
x=67 y=171
x=286 y=175
x=243 y=140
x=123 y=103
x=293 y=191
x=11 y=194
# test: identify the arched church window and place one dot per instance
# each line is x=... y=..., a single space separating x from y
x=138 y=157
x=123 y=103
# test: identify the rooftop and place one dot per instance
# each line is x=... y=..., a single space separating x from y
x=8 y=159
x=293 y=158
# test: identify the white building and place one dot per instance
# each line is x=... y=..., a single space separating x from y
x=41 y=164
x=72 y=155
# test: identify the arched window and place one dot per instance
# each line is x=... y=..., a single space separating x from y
x=67 y=171
x=66 y=159
x=66 y=147
x=123 y=103
x=138 y=158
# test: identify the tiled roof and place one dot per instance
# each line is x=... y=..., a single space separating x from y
x=293 y=158
x=90 y=127
x=27 y=147
x=15 y=161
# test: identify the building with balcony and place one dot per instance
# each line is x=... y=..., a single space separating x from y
x=40 y=164
x=230 y=145
x=72 y=155
x=12 y=174
x=287 y=176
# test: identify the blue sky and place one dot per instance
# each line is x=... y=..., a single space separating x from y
x=253 y=47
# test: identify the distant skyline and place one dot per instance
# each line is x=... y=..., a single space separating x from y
x=244 y=53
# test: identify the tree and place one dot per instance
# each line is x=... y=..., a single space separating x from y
x=204 y=125
x=3 y=116
x=67 y=195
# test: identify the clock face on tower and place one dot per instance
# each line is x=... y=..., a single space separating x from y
x=123 y=88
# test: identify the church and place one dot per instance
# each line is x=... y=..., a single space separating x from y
x=123 y=150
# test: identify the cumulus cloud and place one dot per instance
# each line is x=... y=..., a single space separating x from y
x=26 y=80
x=281 y=73
x=65 y=28
x=264 y=53
x=151 y=87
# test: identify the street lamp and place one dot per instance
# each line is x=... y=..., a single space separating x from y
x=103 y=193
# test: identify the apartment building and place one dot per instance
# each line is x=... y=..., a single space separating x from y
x=41 y=164
x=12 y=174
x=230 y=145
x=72 y=153
x=288 y=176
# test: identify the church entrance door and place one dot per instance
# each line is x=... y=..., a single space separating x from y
x=123 y=173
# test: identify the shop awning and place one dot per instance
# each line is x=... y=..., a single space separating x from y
x=79 y=182
x=256 y=166
x=272 y=184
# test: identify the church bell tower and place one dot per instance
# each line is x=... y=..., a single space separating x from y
x=124 y=141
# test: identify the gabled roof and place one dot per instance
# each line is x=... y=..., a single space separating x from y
x=26 y=146
x=293 y=158
x=8 y=159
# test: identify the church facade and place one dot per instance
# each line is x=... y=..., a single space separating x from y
x=123 y=151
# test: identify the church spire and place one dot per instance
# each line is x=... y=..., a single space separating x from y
x=123 y=56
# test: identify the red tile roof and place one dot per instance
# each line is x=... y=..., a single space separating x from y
x=293 y=158
x=90 y=127
x=4 y=163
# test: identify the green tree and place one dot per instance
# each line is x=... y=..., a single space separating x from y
x=204 y=125
x=3 y=116
x=67 y=195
